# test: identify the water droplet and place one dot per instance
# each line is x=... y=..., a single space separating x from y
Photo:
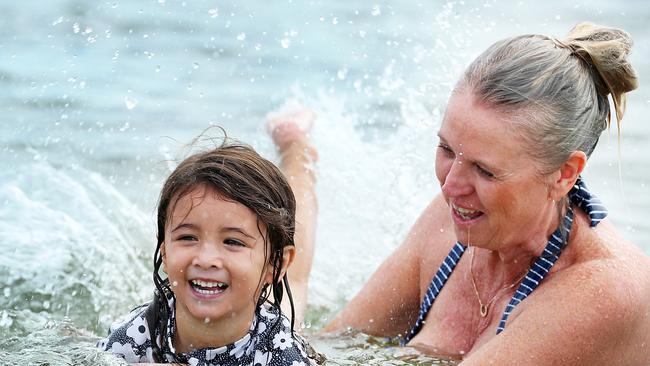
x=175 y=283
x=195 y=65
x=130 y=103
x=59 y=20
x=335 y=20
x=258 y=46
x=376 y=11
x=285 y=42
x=75 y=28
x=5 y=320
x=341 y=74
x=124 y=127
x=241 y=36
x=213 y=13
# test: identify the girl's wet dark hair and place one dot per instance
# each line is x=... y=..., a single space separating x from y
x=240 y=174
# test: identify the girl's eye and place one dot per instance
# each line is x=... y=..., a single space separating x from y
x=234 y=242
x=187 y=238
x=484 y=172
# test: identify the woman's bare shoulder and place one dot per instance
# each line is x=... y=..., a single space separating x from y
x=433 y=229
x=600 y=314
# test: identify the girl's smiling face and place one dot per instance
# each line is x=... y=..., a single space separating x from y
x=215 y=257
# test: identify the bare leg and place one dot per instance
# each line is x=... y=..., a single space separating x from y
x=290 y=134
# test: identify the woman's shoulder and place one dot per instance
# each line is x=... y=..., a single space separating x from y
x=606 y=270
x=129 y=336
x=433 y=235
x=604 y=250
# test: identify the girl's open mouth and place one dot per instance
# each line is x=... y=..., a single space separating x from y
x=208 y=288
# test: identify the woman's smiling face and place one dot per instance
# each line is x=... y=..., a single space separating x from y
x=214 y=256
x=495 y=194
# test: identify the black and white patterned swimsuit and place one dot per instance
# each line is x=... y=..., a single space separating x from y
x=263 y=345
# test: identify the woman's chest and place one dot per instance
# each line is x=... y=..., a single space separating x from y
x=455 y=325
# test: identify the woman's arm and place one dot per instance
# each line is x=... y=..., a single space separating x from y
x=389 y=302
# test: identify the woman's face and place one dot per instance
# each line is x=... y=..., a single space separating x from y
x=495 y=195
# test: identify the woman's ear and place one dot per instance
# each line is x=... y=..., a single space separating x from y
x=288 y=255
x=567 y=175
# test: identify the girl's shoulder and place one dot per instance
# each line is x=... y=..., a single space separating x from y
x=129 y=337
x=277 y=343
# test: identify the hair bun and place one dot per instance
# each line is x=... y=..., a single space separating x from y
x=606 y=49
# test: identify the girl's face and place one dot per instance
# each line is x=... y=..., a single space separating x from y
x=214 y=256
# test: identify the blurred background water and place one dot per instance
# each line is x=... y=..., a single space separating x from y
x=97 y=96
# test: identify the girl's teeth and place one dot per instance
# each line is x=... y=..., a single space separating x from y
x=207 y=292
x=204 y=284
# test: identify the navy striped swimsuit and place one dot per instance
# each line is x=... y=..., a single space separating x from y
x=580 y=197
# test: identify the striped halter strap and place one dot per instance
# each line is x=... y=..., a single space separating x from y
x=579 y=196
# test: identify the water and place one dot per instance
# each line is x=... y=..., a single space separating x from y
x=97 y=97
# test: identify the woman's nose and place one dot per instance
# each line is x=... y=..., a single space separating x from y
x=457 y=182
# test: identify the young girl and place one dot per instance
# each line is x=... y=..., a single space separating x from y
x=226 y=223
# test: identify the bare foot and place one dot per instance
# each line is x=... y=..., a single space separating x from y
x=290 y=130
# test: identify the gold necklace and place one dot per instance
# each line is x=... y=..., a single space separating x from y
x=485 y=308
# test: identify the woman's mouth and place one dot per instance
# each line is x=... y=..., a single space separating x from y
x=465 y=214
x=208 y=288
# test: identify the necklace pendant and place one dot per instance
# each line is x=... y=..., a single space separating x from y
x=484 y=310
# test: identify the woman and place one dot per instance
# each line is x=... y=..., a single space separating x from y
x=515 y=262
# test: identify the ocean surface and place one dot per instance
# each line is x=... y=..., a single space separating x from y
x=99 y=98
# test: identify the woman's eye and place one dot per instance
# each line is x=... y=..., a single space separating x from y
x=234 y=242
x=446 y=149
x=484 y=172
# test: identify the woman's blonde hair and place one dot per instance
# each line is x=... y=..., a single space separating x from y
x=556 y=91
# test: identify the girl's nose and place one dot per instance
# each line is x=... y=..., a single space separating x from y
x=209 y=256
x=457 y=182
